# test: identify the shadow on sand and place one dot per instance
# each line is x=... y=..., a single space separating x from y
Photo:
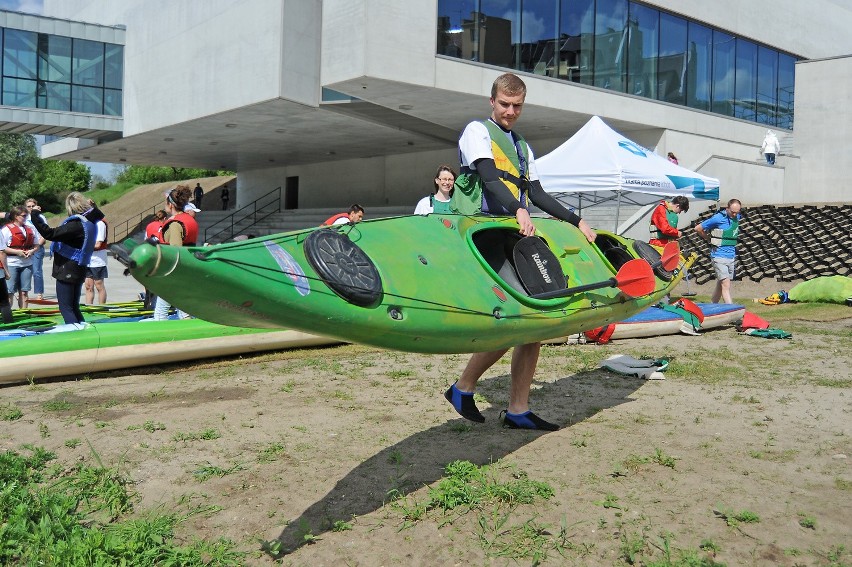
x=420 y=459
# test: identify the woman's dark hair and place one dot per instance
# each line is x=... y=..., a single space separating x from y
x=180 y=196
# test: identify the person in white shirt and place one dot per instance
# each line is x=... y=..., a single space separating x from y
x=438 y=202
x=38 y=257
x=96 y=271
x=17 y=244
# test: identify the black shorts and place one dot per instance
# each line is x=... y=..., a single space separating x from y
x=99 y=273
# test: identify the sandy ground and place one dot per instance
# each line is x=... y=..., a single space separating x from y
x=304 y=439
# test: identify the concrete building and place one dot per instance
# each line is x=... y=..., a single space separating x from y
x=341 y=101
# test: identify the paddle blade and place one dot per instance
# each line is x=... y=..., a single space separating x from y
x=635 y=278
x=670 y=256
x=690 y=307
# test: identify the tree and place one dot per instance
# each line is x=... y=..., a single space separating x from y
x=60 y=176
x=19 y=161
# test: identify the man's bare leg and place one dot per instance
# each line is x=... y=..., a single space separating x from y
x=524 y=362
x=460 y=394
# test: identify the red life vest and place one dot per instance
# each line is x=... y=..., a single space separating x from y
x=154 y=228
x=23 y=237
x=330 y=220
x=190 y=228
x=105 y=244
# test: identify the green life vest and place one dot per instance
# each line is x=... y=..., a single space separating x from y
x=441 y=207
x=726 y=237
x=671 y=217
x=468 y=197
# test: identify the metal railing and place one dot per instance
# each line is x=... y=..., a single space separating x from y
x=126 y=228
x=262 y=207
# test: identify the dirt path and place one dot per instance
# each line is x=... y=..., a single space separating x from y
x=298 y=442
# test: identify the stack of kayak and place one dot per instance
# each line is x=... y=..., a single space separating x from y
x=36 y=344
x=435 y=283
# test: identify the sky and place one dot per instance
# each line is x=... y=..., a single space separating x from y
x=36 y=7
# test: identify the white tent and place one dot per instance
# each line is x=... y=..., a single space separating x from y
x=599 y=165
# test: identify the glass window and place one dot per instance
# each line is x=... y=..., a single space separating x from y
x=54 y=58
x=19 y=92
x=672 y=66
x=643 y=46
x=767 y=85
x=114 y=66
x=19 y=54
x=539 y=23
x=449 y=26
x=746 y=80
x=55 y=96
x=786 y=83
x=88 y=63
x=498 y=32
x=112 y=102
x=611 y=44
x=699 y=70
x=88 y=99
x=576 y=41
x=723 y=73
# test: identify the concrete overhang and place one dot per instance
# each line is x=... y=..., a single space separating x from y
x=392 y=117
x=57 y=123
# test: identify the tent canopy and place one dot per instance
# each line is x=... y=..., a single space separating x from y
x=597 y=164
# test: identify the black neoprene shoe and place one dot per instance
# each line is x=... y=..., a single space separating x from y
x=463 y=403
x=526 y=420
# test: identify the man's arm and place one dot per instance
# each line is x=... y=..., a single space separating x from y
x=491 y=182
x=547 y=203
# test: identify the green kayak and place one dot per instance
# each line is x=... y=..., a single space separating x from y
x=435 y=283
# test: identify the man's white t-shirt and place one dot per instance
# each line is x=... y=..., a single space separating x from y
x=99 y=257
x=475 y=143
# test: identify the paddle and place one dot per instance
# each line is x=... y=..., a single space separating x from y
x=670 y=256
x=634 y=278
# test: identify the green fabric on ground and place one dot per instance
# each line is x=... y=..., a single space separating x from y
x=825 y=289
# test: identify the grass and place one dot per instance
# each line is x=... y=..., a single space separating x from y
x=10 y=412
x=496 y=502
x=86 y=517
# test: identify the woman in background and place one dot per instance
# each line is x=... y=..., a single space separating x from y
x=438 y=202
x=180 y=229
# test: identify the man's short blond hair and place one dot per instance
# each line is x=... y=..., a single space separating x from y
x=508 y=84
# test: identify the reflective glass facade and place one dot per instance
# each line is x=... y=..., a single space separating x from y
x=61 y=73
x=624 y=46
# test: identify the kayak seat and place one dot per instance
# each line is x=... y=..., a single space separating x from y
x=537 y=267
x=613 y=251
x=652 y=256
x=496 y=247
x=524 y=264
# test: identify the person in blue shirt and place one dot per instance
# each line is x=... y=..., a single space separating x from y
x=722 y=231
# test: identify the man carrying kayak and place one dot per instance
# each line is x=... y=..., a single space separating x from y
x=498 y=177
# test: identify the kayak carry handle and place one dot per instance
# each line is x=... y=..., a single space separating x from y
x=635 y=278
x=121 y=254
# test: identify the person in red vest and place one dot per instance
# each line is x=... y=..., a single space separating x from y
x=18 y=244
x=180 y=229
x=663 y=225
x=354 y=215
x=155 y=227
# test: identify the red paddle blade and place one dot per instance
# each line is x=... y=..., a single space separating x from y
x=635 y=278
x=690 y=307
x=671 y=256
